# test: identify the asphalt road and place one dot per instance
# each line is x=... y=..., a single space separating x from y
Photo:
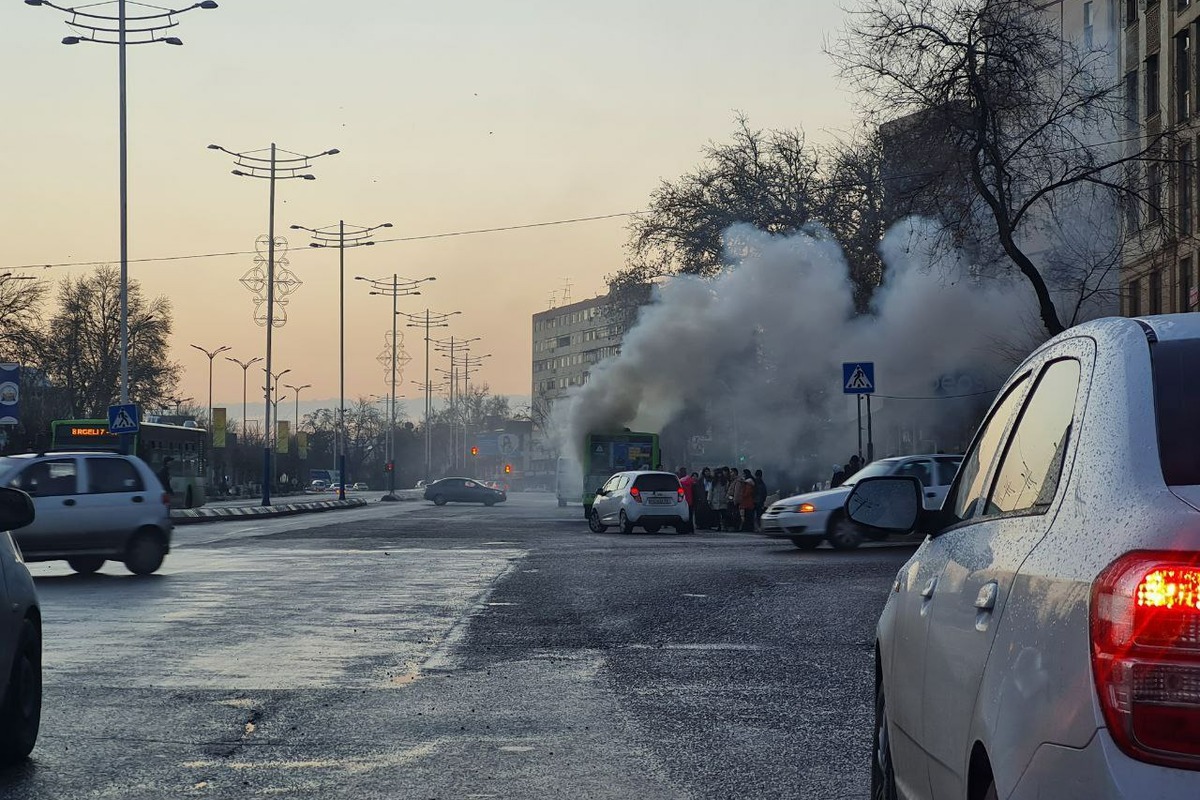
x=408 y=651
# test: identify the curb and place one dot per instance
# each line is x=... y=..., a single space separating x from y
x=191 y=516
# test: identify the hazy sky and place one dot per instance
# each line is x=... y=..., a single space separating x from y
x=450 y=116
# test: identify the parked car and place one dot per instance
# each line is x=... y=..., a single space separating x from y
x=815 y=517
x=651 y=500
x=20 y=637
x=92 y=507
x=318 y=487
x=360 y=487
x=462 y=490
x=1044 y=640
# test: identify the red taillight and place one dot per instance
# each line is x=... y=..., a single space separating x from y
x=1145 y=619
x=682 y=495
x=635 y=494
x=167 y=499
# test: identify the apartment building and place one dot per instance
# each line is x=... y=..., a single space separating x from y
x=567 y=342
x=1161 y=71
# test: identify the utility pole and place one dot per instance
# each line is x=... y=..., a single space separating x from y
x=211 y=355
x=427 y=321
x=454 y=347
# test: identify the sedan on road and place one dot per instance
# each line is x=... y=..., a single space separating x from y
x=462 y=490
x=809 y=519
x=20 y=637
x=1044 y=641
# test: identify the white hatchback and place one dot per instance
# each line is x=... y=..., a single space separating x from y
x=20 y=638
x=651 y=500
x=1045 y=640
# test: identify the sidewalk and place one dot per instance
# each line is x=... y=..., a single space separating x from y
x=252 y=508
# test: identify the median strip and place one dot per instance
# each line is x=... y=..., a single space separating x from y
x=189 y=516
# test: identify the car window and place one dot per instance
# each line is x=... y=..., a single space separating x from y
x=1176 y=398
x=50 y=478
x=969 y=490
x=657 y=483
x=921 y=470
x=947 y=468
x=113 y=475
x=872 y=470
x=1028 y=475
x=470 y=484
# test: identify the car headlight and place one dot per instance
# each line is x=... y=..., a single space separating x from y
x=804 y=508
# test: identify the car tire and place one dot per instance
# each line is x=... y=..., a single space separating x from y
x=626 y=525
x=21 y=708
x=883 y=773
x=489 y=503
x=145 y=553
x=806 y=542
x=439 y=500
x=85 y=565
x=594 y=523
x=844 y=534
x=652 y=528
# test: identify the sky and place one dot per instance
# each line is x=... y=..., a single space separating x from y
x=450 y=117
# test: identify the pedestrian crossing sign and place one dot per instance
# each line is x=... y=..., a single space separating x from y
x=858 y=377
x=123 y=419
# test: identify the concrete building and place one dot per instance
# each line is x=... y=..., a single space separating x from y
x=1160 y=72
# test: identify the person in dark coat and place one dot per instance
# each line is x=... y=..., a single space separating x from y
x=164 y=474
x=760 y=498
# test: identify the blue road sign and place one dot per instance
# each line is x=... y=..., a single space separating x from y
x=858 y=377
x=123 y=419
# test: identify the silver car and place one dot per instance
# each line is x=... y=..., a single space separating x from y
x=92 y=507
x=651 y=500
x=20 y=638
x=1045 y=641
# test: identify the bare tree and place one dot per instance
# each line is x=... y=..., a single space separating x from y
x=1034 y=117
x=20 y=318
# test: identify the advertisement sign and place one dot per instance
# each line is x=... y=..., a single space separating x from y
x=281 y=436
x=302 y=444
x=10 y=394
x=218 y=427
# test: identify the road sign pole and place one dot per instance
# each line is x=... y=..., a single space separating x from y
x=858 y=397
x=870 y=434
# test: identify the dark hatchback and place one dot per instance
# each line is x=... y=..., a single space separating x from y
x=462 y=490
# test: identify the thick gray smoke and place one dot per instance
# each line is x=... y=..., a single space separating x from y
x=749 y=363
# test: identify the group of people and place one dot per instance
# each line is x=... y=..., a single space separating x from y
x=724 y=498
x=842 y=473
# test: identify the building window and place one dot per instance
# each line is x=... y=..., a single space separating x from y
x=1185 y=188
x=1131 y=99
x=1183 y=75
x=1185 y=284
x=1154 y=304
x=1154 y=192
x=1152 y=85
x=1131 y=11
x=1134 y=298
x=1088 y=40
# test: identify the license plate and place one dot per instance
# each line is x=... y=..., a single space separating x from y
x=659 y=501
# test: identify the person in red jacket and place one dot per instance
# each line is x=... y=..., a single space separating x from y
x=746 y=501
x=689 y=490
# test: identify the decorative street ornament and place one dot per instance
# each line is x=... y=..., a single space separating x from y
x=255 y=280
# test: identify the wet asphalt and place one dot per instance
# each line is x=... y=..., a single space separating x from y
x=408 y=651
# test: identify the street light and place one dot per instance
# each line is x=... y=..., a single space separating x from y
x=211 y=355
x=250 y=165
x=145 y=28
x=453 y=347
x=356 y=236
x=245 y=365
x=297 y=389
x=429 y=320
x=395 y=289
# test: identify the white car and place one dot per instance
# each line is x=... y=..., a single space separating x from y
x=20 y=638
x=651 y=500
x=1044 y=641
x=809 y=519
x=91 y=507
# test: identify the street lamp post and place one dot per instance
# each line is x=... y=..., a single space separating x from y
x=356 y=237
x=427 y=321
x=396 y=288
x=245 y=365
x=272 y=436
x=468 y=363
x=271 y=169
x=297 y=389
x=147 y=28
x=211 y=355
x=454 y=347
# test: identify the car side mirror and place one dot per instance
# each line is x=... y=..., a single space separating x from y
x=16 y=509
x=890 y=503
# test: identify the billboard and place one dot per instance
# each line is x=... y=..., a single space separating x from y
x=281 y=436
x=218 y=427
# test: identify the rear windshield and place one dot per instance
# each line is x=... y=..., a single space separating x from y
x=657 y=483
x=1177 y=405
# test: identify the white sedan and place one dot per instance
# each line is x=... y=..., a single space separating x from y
x=1045 y=640
x=809 y=519
x=20 y=637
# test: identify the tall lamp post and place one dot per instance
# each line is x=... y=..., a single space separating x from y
x=395 y=289
x=245 y=365
x=468 y=363
x=146 y=27
x=453 y=347
x=297 y=389
x=340 y=237
x=211 y=355
x=428 y=320
x=292 y=167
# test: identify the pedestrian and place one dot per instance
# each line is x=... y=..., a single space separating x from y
x=702 y=491
x=746 y=502
x=733 y=500
x=164 y=474
x=716 y=498
x=839 y=476
x=852 y=466
x=760 y=498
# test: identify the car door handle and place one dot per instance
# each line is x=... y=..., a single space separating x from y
x=927 y=592
x=137 y=498
x=986 y=599
x=931 y=494
x=68 y=502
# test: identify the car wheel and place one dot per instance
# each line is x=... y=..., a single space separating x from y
x=653 y=528
x=594 y=522
x=438 y=500
x=883 y=774
x=844 y=534
x=21 y=710
x=85 y=565
x=145 y=553
x=489 y=503
x=806 y=542
x=626 y=525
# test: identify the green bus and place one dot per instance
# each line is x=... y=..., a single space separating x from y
x=186 y=446
x=607 y=453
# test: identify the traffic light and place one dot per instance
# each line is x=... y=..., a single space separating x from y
x=389 y=466
x=474 y=450
x=508 y=469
